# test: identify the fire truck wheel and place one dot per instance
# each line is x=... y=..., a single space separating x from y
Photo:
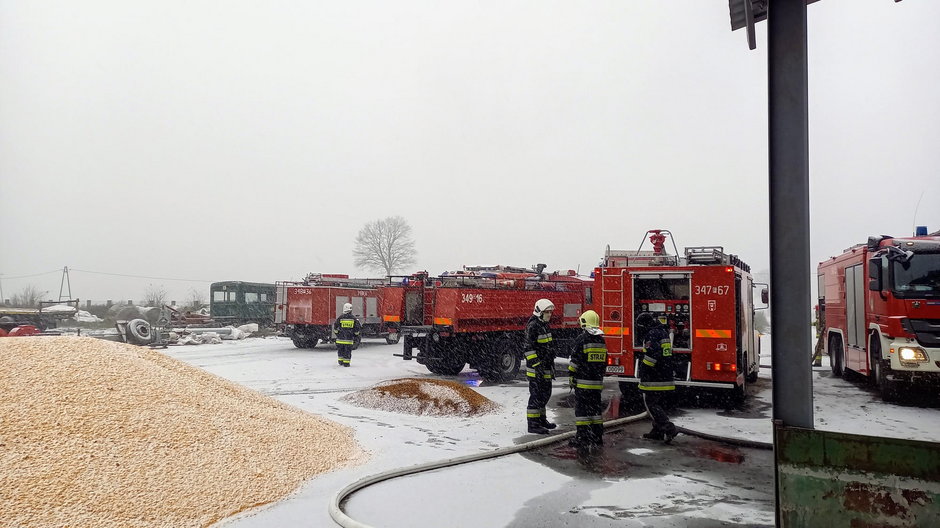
x=304 y=341
x=879 y=371
x=751 y=377
x=138 y=332
x=393 y=338
x=739 y=394
x=836 y=355
x=503 y=363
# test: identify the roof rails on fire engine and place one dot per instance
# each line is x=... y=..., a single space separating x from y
x=706 y=255
x=713 y=255
x=341 y=280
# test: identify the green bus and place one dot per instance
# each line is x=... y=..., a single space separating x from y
x=238 y=302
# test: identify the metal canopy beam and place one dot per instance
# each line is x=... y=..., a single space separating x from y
x=788 y=120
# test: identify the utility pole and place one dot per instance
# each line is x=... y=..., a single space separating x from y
x=64 y=282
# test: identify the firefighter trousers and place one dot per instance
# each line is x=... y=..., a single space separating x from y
x=540 y=391
x=344 y=354
x=653 y=400
x=589 y=424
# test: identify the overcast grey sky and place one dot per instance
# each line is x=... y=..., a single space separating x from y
x=251 y=140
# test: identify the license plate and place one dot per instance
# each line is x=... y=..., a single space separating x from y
x=611 y=369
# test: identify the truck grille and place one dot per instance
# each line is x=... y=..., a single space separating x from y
x=927 y=331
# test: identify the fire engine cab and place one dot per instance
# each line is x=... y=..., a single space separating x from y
x=880 y=302
x=705 y=294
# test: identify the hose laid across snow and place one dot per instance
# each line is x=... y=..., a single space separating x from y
x=336 y=511
x=728 y=439
x=340 y=517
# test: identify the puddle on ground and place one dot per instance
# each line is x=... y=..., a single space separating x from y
x=721 y=454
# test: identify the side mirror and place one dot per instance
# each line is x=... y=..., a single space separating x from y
x=874 y=274
x=764 y=295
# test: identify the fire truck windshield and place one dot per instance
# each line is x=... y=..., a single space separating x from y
x=918 y=277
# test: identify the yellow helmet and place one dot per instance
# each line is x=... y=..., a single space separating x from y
x=590 y=319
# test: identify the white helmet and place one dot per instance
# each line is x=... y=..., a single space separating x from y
x=347 y=308
x=541 y=306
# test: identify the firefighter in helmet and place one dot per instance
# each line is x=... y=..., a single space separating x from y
x=347 y=330
x=656 y=375
x=586 y=375
x=539 y=366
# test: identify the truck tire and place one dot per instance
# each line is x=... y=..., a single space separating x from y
x=502 y=363
x=138 y=332
x=450 y=366
x=836 y=355
x=880 y=370
x=443 y=359
x=739 y=394
x=303 y=340
x=751 y=377
x=393 y=338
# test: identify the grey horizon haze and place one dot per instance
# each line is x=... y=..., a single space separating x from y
x=252 y=140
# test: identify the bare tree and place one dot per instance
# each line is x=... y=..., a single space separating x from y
x=28 y=297
x=385 y=245
x=155 y=295
x=197 y=299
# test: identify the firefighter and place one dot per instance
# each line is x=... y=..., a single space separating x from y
x=586 y=375
x=820 y=326
x=539 y=366
x=347 y=329
x=656 y=375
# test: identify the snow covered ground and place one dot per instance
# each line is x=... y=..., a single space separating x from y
x=633 y=482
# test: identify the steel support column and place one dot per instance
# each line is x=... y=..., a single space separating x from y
x=788 y=118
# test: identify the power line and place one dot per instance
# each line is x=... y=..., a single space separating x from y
x=6 y=277
x=138 y=276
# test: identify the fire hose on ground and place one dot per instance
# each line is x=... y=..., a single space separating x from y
x=340 y=517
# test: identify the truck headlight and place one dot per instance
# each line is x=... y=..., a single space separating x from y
x=912 y=354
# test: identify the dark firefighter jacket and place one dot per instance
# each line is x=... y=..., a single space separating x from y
x=588 y=361
x=656 y=366
x=347 y=327
x=540 y=349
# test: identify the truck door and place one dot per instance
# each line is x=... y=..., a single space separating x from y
x=414 y=307
x=372 y=310
x=280 y=301
x=855 y=313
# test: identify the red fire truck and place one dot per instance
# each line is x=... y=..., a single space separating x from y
x=707 y=297
x=881 y=305
x=478 y=316
x=306 y=310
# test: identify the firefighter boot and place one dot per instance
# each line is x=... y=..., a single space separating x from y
x=546 y=424
x=654 y=435
x=535 y=425
x=597 y=431
x=670 y=434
